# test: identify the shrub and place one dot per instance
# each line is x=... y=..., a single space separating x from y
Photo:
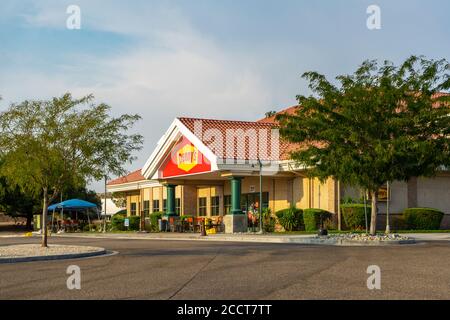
x=154 y=217
x=354 y=215
x=313 y=217
x=269 y=221
x=290 y=219
x=422 y=218
x=134 y=223
x=117 y=222
x=122 y=213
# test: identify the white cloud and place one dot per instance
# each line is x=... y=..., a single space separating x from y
x=172 y=70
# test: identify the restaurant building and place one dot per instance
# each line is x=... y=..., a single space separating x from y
x=208 y=168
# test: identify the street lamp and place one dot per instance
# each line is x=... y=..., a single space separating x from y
x=260 y=197
x=388 y=227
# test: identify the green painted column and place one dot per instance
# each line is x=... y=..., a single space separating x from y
x=236 y=187
x=170 y=207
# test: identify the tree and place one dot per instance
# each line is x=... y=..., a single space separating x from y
x=382 y=123
x=119 y=199
x=16 y=203
x=48 y=145
x=82 y=193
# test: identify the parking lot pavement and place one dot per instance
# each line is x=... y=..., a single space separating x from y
x=163 y=269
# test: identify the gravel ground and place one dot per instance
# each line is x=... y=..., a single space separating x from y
x=366 y=237
x=35 y=250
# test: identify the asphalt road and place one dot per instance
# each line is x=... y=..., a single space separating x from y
x=155 y=269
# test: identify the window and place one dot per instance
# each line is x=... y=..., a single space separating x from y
x=164 y=205
x=178 y=206
x=133 y=208
x=146 y=208
x=215 y=205
x=155 y=205
x=249 y=201
x=227 y=204
x=202 y=206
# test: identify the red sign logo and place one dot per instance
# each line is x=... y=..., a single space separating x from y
x=185 y=158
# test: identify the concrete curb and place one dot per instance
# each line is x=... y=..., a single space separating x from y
x=312 y=240
x=100 y=252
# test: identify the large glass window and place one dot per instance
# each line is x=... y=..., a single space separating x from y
x=202 y=206
x=133 y=207
x=250 y=201
x=178 y=206
x=146 y=208
x=155 y=205
x=215 y=205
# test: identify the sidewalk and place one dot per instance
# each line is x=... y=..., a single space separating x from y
x=195 y=237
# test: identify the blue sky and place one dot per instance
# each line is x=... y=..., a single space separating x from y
x=205 y=58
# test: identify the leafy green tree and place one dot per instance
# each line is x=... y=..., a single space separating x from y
x=48 y=145
x=380 y=124
x=82 y=193
x=16 y=203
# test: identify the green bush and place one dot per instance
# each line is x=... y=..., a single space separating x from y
x=290 y=219
x=134 y=223
x=122 y=213
x=269 y=221
x=354 y=215
x=422 y=218
x=312 y=218
x=117 y=222
x=154 y=217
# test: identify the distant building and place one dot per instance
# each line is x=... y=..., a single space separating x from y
x=111 y=208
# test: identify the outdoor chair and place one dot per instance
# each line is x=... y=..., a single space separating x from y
x=190 y=224
x=198 y=224
x=174 y=224
x=218 y=224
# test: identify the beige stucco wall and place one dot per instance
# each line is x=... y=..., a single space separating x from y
x=434 y=193
x=398 y=200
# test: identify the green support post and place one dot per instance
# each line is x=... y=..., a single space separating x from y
x=236 y=183
x=170 y=209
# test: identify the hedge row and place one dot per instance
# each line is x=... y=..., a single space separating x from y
x=118 y=222
x=422 y=218
x=315 y=218
x=354 y=215
x=293 y=219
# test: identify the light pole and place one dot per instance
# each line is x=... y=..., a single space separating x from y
x=104 y=217
x=365 y=210
x=260 y=198
x=388 y=227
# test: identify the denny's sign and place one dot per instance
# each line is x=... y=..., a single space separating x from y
x=185 y=158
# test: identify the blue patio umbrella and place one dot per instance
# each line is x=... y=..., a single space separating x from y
x=72 y=204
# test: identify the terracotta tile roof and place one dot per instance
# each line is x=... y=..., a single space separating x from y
x=234 y=147
x=132 y=177
x=271 y=119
